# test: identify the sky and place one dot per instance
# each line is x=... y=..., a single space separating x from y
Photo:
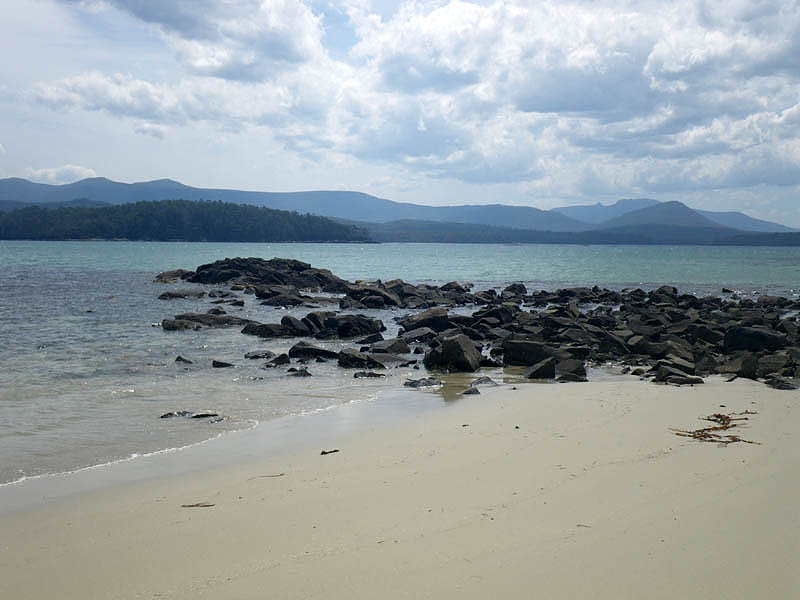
x=541 y=104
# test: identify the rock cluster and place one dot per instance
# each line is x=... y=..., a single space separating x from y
x=671 y=337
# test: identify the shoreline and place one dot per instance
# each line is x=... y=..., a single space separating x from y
x=592 y=496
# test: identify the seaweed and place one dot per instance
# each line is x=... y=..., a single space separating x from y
x=723 y=422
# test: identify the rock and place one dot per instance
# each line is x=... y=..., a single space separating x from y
x=203 y=415
x=571 y=378
x=456 y=353
x=295 y=326
x=180 y=359
x=277 y=271
x=219 y=364
x=544 y=369
x=483 y=381
x=780 y=383
x=285 y=300
x=434 y=318
x=352 y=359
x=515 y=289
x=421 y=334
x=266 y=330
x=180 y=325
x=301 y=372
x=349 y=326
x=213 y=320
x=470 y=391
x=259 y=354
x=172 y=276
x=525 y=352
x=305 y=350
x=772 y=364
x=753 y=339
x=216 y=311
x=367 y=375
x=177 y=413
x=424 y=382
x=683 y=380
x=572 y=366
x=174 y=294
x=392 y=346
x=278 y=361
x=370 y=339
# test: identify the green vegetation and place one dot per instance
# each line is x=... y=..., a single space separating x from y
x=173 y=220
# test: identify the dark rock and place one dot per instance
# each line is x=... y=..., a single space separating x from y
x=220 y=364
x=177 y=413
x=571 y=366
x=393 y=346
x=259 y=354
x=456 y=353
x=780 y=383
x=371 y=339
x=173 y=294
x=373 y=301
x=352 y=359
x=421 y=334
x=516 y=289
x=349 y=326
x=525 y=352
x=683 y=380
x=434 y=318
x=424 y=382
x=571 y=378
x=213 y=320
x=216 y=311
x=753 y=339
x=285 y=300
x=172 y=276
x=180 y=325
x=544 y=369
x=295 y=326
x=180 y=359
x=348 y=303
x=305 y=350
x=266 y=330
x=772 y=364
x=483 y=381
x=301 y=372
x=203 y=415
x=278 y=361
x=367 y=375
x=277 y=271
x=470 y=391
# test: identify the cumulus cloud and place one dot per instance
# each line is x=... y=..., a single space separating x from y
x=152 y=129
x=59 y=175
x=565 y=98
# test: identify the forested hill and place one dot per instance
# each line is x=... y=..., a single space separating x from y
x=174 y=220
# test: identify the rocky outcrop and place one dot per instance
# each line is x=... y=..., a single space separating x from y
x=455 y=353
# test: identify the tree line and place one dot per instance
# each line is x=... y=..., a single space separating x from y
x=174 y=220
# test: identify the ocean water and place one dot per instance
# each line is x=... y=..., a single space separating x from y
x=87 y=372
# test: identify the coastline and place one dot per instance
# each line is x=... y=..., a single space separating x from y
x=593 y=496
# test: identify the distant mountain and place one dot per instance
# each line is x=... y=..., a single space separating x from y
x=741 y=221
x=599 y=213
x=675 y=214
x=340 y=204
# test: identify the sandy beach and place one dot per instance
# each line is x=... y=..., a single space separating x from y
x=547 y=490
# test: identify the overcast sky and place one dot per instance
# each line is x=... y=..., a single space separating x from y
x=537 y=103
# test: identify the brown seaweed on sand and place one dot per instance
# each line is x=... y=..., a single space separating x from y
x=722 y=422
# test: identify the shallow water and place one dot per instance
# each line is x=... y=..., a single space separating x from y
x=87 y=372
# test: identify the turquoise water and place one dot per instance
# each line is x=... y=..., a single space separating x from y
x=87 y=371
x=688 y=267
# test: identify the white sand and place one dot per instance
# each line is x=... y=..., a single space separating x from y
x=592 y=497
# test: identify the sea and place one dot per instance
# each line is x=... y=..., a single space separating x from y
x=86 y=371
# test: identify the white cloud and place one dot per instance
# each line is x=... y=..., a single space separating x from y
x=58 y=175
x=564 y=99
x=152 y=129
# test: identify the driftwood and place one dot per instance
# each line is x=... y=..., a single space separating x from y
x=723 y=423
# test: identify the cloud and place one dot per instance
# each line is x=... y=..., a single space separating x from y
x=3 y=151
x=572 y=97
x=59 y=175
x=151 y=129
x=246 y=40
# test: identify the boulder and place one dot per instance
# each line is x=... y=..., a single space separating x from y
x=305 y=350
x=421 y=334
x=525 y=352
x=220 y=364
x=266 y=330
x=352 y=359
x=455 y=353
x=753 y=339
x=349 y=326
x=368 y=375
x=173 y=294
x=172 y=276
x=278 y=361
x=180 y=325
x=434 y=318
x=295 y=326
x=544 y=369
x=213 y=320
x=424 y=382
x=259 y=354
x=392 y=346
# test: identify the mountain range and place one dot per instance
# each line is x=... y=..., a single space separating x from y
x=638 y=220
